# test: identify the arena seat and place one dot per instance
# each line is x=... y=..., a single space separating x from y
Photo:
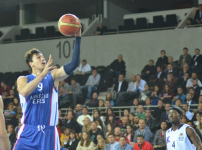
x=40 y=32
x=171 y=20
x=50 y=31
x=24 y=34
x=158 y=22
x=141 y=23
x=129 y=24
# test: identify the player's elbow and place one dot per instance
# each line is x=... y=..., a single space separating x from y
x=24 y=93
x=3 y=136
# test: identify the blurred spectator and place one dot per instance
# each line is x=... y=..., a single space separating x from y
x=189 y=115
x=131 y=119
x=135 y=103
x=164 y=116
x=148 y=104
x=71 y=123
x=136 y=120
x=121 y=85
x=85 y=143
x=109 y=97
x=125 y=121
x=130 y=134
x=101 y=103
x=184 y=119
x=159 y=138
x=83 y=68
x=111 y=119
x=178 y=103
x=123 y=144
x=94 y=132
x=110 y=129
x=155 y=81
x=118 y=134
x=99 y=123
x=81 y=118
x=140 y=112
x=163 y=60
x=101 y=29
x=72 y=143
x=100 y=145
x=190 y=80
x=194 y=94
x=160 y=74
x=148 y=70
x=196 y=87
x=13 y=121
x=171 y=81
x=17 y=108
x=196 y=59
x=14 y=87
x=63 y=87
x=64 y=135
x=4 y=87
x=199 y=110
x=146 y=93
x=182 y=82
x=142 y=144
x=144 y=130
x=174 y=64
x=185 y=58
x=117 y=67
x=190 y=101
x=112 y=145
x=138 y=88
x=180 y=95
x=74 y=92
x=198 y=15
x=92 y=83
x=107 y=103
x=189 y=21
x=150 y=121
x=167 y=94
x=159 y=110
x=155 y=95
x=78 y=110
x=197 y=120
x=86 y=126
x=170 y=69
x=11 y=135
x=184 y=70
x=132 y=83
x=94 y=101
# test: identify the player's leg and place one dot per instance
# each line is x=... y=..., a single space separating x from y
x=50 y=140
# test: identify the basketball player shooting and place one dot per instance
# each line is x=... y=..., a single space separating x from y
x=39 y=100
x=181 y=136
x=4 y=142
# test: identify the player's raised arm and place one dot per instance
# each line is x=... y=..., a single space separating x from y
x=194 y=138
x=4 y=142
x=24 y=88
x=67 y=69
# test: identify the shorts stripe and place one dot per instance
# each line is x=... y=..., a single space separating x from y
x=19 y=134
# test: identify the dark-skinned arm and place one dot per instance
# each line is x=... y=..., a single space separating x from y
x=193 y=136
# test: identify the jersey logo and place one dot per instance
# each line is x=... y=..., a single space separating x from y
x=181 y=137
x=167 y=140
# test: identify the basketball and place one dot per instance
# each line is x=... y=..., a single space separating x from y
x=69 y=24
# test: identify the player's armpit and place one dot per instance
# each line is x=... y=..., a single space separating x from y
x=193 y=136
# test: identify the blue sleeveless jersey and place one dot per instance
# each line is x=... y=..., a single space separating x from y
x=41 y=106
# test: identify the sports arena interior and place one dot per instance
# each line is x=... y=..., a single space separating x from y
x=138 y=59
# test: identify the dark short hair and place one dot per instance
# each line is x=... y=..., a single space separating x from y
x=62 y=129
x=107 y=100
x=163 y=51
x=185 y=104
x=185 y=48
x=148 y=110
x=191 y=88
x=140 y=135
x=178 y=100
x=85 y=107
x=122 y=136
x=94 y=69
x=151 y=60
x=160 y=100
x=29 y=55
x=73 y=79
x=111 y=134
x=190 y=121
x=168 y=103
x=164 y=121
x=197 y=49
x=137 y=116
x=171 y=73
x=84 y=60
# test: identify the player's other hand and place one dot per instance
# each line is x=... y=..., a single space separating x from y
x=48 y=66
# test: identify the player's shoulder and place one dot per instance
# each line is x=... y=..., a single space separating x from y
x=169 y=130
x=22 y=78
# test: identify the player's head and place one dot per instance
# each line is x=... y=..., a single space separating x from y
x=35 y=59
x=175 y=115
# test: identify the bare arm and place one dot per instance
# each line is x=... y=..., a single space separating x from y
x=194 y=138
x=24 y=88
x=4 y=142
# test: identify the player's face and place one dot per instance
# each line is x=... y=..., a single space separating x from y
x=38 y=61
x=174 y=116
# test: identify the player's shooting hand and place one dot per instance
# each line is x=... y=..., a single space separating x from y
x=48 y=66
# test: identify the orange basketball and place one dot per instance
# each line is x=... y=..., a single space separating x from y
x=69 y=24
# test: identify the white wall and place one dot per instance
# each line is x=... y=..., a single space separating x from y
x=137 y=48
x=179 y=12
